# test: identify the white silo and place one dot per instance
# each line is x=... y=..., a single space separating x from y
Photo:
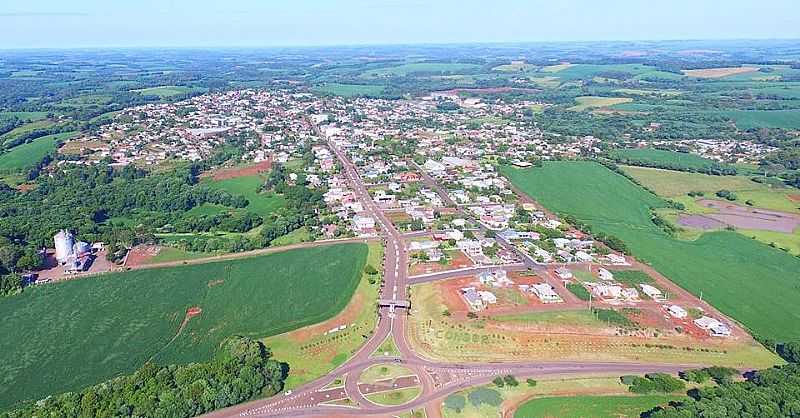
x=64 y=243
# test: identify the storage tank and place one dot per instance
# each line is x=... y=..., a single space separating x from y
x=82 y=248
x=64 y=245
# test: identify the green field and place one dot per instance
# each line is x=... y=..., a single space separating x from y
x=350 y=90
x=761 y=295
x=591 y=406
x=70 y=335
x=28 y=155
x=594 y=102
x=395 y=397
x=682 y=160
x=24 y=129
x=421 y=67
x=31 y=116
x=675 y=185
x=169 y=91
x=260 y=203
x=754 y=119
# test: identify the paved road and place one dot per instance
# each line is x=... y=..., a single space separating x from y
x=437 y=379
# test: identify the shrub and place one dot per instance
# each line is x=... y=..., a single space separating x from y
x=531 y=382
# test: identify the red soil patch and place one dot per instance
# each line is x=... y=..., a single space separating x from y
x=140 y=254
x=26 y=187
x=193 y=311
x=794 y=197
x=234 y=172
x=459 y=260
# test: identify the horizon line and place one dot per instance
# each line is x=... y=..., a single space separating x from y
x=387 y=44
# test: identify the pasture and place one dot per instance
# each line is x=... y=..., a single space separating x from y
x=24 y=129
x=248 y=186
x=169 y=91
x=761 y=296
x=350 y=90
x=679 y=160
x=754 y=119
x=591 y=406
x=594 y=102
x=25 y=156
x=422 y=67
x=719 y=72
x=676 y=184
x=110 y=325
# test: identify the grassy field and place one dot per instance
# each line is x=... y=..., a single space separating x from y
x=421 y=67
x=112 y=324
x=313 y=353
x=594 y=102
x=568 y=318
x=30 y=116
x=28 y=155
x=760 y=295
x=675 y=185
x=681 y=160
x=247 y=186
x=169 y=254
x=168 y=91
x=754 y=119
x=515 y=67
x=395 y=397
x=24 y=129
x=591 y=406
x=384 y=371
x=350 y=90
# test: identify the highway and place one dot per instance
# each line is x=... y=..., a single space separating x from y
x=437 y=379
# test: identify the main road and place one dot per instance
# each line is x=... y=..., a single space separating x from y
x=436 y=379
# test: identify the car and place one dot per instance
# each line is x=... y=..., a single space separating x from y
x=287 y=393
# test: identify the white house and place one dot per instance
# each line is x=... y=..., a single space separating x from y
x=545 y=293
x=677 y=312
x=564 y=273
x=652 y=292
x=605 y=275
x=583 y=257
x=487 y=297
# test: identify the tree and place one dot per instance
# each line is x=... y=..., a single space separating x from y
x=499 y=382
x=510 y=380
x=531 y=382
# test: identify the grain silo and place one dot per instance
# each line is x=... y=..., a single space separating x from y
x=64 y=245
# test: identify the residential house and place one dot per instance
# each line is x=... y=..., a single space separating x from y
x=545 y=293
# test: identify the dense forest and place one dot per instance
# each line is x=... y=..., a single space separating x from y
x=242 y=369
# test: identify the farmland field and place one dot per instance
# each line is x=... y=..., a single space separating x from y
x=112 y=324
x=421 y=67
x=24 y=129
x=676 y=185
x=593 y=102
x=591 y=406
x=680 y=160
x=350 y=90
x=753 y=119
x=168 y=91
x=28 y=155
x=247 y=186
x=719 y=72
x=762 y=295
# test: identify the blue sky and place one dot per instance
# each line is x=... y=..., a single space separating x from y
x=98 y=23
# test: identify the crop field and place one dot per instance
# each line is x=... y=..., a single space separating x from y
x=675 y=159
x=312 y=351
x=591 y=406
x=593 y=102
x=422 y=67
x=514 y=67
x=28 y=155
x=30 y=116
x=676 y=185
x=761 y=296
x=350 y=90
x=168 y=91
x=754 y=119
x=719 y=72
x=247 y=186
x=588 y=71
x=111 y=325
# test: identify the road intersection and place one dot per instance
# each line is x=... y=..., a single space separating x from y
x=341 y=393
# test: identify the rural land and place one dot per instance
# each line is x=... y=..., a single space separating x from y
x=605 y=229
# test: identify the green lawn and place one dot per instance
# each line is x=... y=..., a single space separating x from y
x=591 y=406
x=28 y=155
x=762 y=295
x=395 y=397
x=678 y=160
x=574 y=317
x=260 y=203
x=66 y=336
x=350 y=90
